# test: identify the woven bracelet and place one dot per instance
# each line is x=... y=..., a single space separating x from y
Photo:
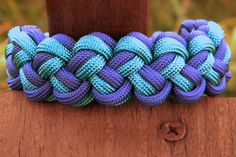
x=184 y=65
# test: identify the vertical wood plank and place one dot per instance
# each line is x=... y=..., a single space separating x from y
x=113 y=17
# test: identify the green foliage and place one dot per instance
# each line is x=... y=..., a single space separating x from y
x=166 y=15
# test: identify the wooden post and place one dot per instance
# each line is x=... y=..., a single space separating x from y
x=32 y=129
x=81 y=17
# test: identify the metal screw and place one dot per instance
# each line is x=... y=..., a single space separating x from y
x=173 y=131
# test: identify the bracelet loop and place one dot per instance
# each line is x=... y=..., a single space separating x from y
x=185 y=65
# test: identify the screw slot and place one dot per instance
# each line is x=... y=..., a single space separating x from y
x=173 y=131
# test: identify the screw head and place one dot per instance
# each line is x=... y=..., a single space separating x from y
x=173 y=131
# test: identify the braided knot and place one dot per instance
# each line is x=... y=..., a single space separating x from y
x=193 y=62
x=133 y=55
x=20 y=52
x=170 y=54
x=73 y=64
x=209 y=52
x=109 y=87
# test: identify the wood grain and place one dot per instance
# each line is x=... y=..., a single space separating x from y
x=113 y=17
x=30 y=129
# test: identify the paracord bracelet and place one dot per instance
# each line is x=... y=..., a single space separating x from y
x=192 y=63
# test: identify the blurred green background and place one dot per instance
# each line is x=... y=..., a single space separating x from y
x=166 y=15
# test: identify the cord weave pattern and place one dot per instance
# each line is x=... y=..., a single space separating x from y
x=185 y=65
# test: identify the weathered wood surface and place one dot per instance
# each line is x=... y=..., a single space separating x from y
x=31 y=129
x=81 y=17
